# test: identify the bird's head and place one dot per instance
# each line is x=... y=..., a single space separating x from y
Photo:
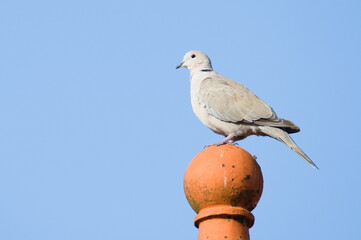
x=196 y=60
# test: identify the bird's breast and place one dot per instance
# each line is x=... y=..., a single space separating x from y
x=198 y=109
x=201 y=112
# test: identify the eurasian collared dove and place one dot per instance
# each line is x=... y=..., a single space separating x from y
x=230 y=109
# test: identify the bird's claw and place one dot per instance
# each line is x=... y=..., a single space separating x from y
x=221 y=143
x=213 y=144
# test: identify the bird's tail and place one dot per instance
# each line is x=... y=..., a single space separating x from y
x=282 y=136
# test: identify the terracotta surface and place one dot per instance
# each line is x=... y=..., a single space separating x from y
x=223 y=184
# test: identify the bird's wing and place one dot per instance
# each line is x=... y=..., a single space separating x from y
x=230 y=101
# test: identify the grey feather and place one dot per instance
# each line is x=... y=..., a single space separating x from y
x=230 y=101
x=286 y=139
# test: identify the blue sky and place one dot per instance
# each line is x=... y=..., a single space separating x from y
x=96 y=126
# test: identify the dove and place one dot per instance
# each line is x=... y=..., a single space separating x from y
x=232 y=110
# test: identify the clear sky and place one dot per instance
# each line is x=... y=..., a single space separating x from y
x=96 y=126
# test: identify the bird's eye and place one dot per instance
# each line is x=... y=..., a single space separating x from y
x=193 y=56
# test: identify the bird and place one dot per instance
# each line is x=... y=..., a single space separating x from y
x=230 y=109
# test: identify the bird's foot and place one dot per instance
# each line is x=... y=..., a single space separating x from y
x=215 y=144
x=229 y=142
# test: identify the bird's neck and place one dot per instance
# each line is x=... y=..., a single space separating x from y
x=201 y=70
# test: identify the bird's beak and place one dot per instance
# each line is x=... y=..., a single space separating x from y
x=180 y=65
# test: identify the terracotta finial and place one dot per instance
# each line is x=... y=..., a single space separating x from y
x=223 y=184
